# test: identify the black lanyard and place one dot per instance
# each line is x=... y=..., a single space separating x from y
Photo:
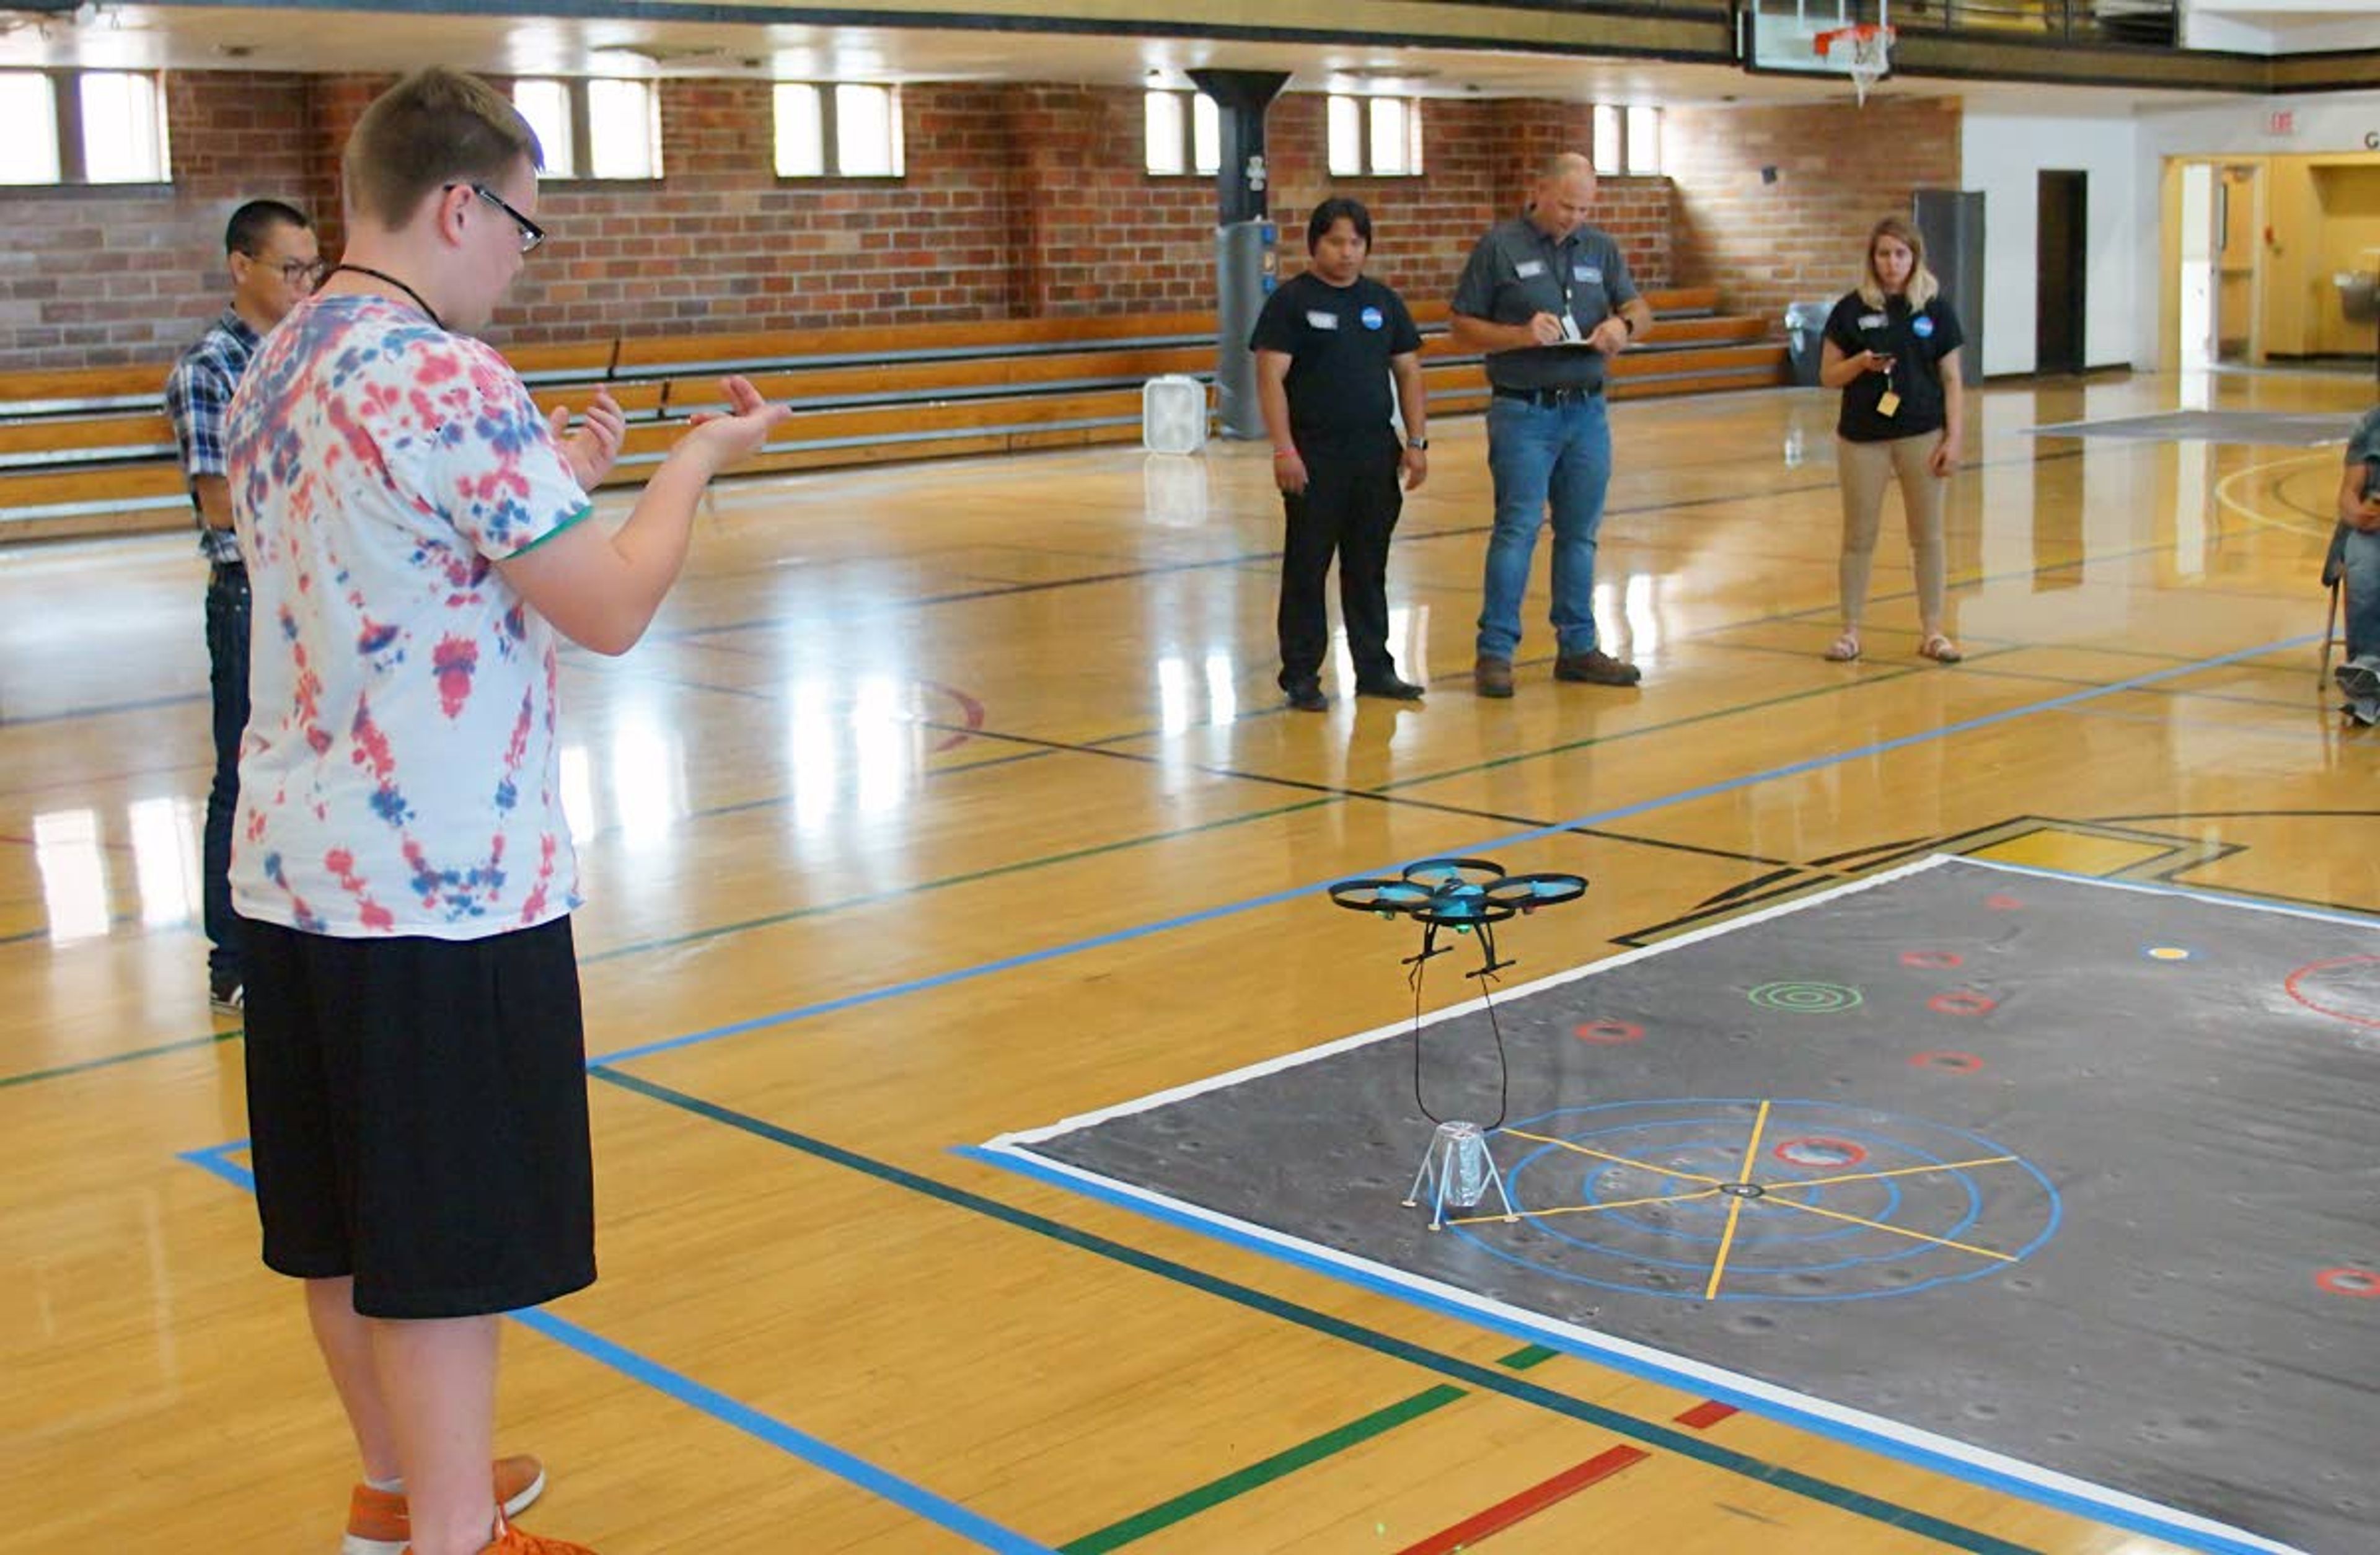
x=384 y=276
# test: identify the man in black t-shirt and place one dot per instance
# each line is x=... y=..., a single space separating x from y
x=1328 y=344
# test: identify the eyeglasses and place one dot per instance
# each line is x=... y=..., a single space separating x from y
x=296 y=272
x=531 y=234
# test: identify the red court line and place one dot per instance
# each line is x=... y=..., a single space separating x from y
x=1528 y=1504
x=1704 y=1415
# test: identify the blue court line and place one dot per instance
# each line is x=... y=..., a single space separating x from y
x=1484 y=1377
x=1600 y=818
x=1430 y=1299
x=684 y=1390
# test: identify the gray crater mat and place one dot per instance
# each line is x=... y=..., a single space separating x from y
x=2061 y=1185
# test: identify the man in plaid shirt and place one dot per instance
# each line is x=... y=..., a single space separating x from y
x=275 y=264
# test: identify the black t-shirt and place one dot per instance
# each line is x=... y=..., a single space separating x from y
x=1916 y=341
x=1339 y=340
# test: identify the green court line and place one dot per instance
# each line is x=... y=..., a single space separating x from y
x=1485 y=1378
x=1330 y=1444
x=1215 y=1493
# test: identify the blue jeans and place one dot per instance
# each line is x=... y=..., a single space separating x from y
x=1541 y=454
x=2362 y=562
x=228 y=614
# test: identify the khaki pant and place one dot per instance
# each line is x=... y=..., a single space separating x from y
x=1865 y=469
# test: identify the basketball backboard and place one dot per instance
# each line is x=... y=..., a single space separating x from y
x=1781 y=37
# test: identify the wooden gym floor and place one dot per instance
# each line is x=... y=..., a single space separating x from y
x=955 y=798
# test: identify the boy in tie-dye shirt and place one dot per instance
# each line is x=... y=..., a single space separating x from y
x=417 y=539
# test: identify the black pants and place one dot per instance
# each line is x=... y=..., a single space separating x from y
x=1350 y=507
x=228 y=614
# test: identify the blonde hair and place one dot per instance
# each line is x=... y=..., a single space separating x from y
x=1923 y=287
x=435 y=128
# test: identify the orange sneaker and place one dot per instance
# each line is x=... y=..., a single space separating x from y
x=510 y=1540
x=377 y=1524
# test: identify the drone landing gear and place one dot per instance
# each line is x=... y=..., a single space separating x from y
x=1458 y=1170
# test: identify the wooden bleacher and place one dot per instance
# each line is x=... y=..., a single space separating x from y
x=90 y=452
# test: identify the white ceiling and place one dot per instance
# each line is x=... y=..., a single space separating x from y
x=153 y=37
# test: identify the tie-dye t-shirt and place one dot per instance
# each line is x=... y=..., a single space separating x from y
x=399 y=774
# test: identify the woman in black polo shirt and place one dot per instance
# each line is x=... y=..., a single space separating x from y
x=1892 y=347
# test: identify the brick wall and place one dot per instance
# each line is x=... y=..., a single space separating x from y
x=106 y=276
x=1839 y=168
x=1020 y=201
x=1481 y=158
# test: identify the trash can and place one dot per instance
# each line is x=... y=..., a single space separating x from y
x=1805 y=329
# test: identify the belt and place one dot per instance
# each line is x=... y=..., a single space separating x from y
x=229 y=572
x=1573 y=395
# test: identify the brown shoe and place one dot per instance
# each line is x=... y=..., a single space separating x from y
x=1596 y=668
x=1492 y=677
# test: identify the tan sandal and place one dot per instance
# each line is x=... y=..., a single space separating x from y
x=1844 y=650
x=1941 y=650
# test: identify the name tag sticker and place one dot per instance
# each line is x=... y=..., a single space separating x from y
x=1529 y=270
x=1320 y=320
x=1589 y=274
x=1872 y=320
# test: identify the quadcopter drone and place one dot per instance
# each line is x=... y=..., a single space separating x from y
x=1462 y=894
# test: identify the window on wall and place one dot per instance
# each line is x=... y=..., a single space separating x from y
x=1609 y=138
x=599 y=128
x=82 y=127
x=1183 y=133
x=1643 y=152
x=850 y=130
x=1378 y=135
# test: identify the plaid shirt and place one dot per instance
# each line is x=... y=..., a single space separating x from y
x=197 y=397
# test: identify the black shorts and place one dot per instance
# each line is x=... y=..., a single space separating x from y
x=418 y=1110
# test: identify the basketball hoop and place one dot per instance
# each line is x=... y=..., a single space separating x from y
x=1870 y=53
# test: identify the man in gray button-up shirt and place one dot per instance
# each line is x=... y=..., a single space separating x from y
x=1548 y=299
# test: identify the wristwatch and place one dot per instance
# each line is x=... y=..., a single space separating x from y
x=1421 y=442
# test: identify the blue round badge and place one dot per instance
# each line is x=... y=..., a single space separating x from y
x=1922 y=326
x=1373 y=318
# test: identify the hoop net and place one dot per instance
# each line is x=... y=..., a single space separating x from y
x=1870 y=53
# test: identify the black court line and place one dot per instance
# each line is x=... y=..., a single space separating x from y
x=109 y=1061
x=1484 y=1377
x=1163 y=569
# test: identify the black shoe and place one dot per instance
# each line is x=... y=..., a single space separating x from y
x=2359 y=681
x=1307 y=696
x=1393 y=686
x=228 y=996
x=1596 y=668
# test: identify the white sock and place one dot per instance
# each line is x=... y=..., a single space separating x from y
x=392 y=1486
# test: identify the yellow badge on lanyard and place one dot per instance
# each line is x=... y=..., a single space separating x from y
x=1887 y=403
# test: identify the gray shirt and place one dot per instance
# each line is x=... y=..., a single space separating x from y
x=1517 y=272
